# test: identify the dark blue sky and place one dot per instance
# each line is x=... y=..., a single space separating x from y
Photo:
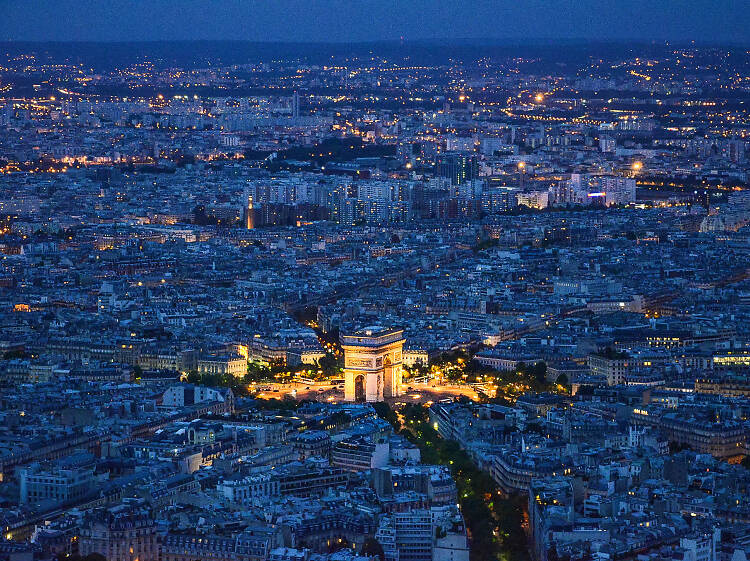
x=716 y=21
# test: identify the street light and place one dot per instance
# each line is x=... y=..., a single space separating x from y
x=521 y=172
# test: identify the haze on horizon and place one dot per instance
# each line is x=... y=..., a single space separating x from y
x=704 y=21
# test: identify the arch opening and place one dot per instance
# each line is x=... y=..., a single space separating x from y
x=359 y=388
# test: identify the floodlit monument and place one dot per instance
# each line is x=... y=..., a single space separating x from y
x=372 y=363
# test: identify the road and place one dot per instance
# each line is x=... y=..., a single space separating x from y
x=411 y=393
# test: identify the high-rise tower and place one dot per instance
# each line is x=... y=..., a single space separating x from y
x=295 y=105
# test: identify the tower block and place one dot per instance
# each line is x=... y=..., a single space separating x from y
x=372 y=363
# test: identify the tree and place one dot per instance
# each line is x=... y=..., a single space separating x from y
x=416 y=413
x=539 y=372
x=535 y=427
x=372 y=547
x=476 y=489
x=256 y=373
x=509 y=513
x=384 y=411
x=330 y=365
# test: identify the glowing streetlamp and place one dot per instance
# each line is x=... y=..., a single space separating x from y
x=521 y=172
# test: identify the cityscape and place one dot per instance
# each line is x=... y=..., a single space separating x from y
x=409 y=299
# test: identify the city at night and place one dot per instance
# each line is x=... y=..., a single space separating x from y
x=368 y=280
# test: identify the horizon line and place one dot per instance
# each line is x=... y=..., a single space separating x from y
x=482 y=41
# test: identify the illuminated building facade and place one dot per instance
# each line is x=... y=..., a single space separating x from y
x=459 y=168
x=729 y=359
x=618 y=190
x=249 y=211
x=372 y=364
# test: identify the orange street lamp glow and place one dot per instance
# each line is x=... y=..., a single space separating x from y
x=539 y=98
x=637 y=165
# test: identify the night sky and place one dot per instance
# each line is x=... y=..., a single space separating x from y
x=713 y=21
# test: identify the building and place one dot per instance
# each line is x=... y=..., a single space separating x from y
x=433 y=481
x=533 y=199
x=253 y=544
x=312 y=443
x=232 y=365
x=406 y=536
x=247 y=489
x=372 y=363
x=123 y=533
x=550 y=507
x=701 y=431
x=183 y=395
x=459 y=168
x=702 y=546
x=514 y=472
x=731 y=386
x=612 y=367
x=359 y=454
x=62 y=482
x=618 y=190
x=313 y=477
